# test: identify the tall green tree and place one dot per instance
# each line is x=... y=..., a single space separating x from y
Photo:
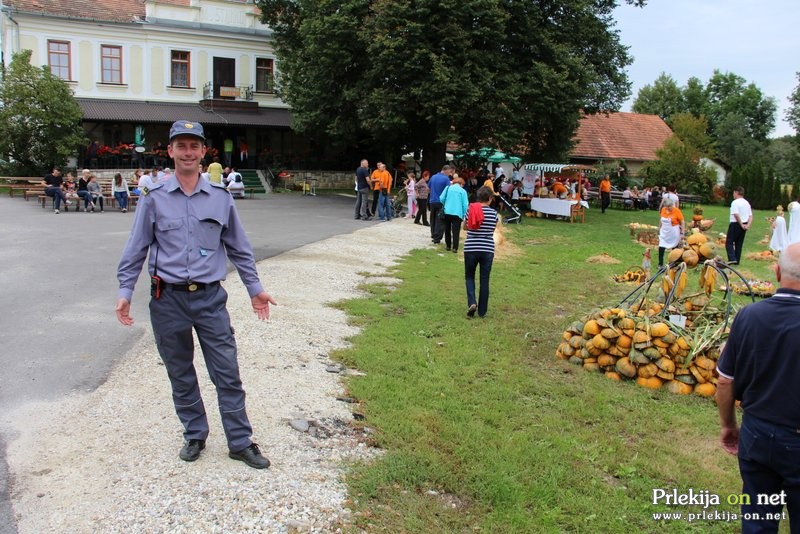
x=664 y=98
x=793 y=113
x=693 y=131
x=784 y=152
x=761 y=188
x=735 y=145
x=415 y=74
x=739 y=115
x=40 y=121
x=729 y=93
x=694 y=96
x=679 y=159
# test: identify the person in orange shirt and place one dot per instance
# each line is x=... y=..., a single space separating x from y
x=490 y=184
x=605 y=193
x=375 y=183
x=384 y=189
x=671 y=228
x=559 y=189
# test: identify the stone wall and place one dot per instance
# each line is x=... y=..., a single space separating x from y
x=325 y=179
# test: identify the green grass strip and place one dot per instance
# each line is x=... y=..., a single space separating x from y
x=485 y=430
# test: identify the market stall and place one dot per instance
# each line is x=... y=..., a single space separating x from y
x=538 y=173
x=570 y=202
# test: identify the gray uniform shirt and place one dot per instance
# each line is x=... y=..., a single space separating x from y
x=193 y=235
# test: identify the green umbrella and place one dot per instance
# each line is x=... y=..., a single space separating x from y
x=498 y=156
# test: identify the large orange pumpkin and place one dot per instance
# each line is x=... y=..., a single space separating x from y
x=691 y=258
x=696 y=239
x=706 y=389
x=708 y=250
x=625 y=367
x=652 y=382
x=674 y=255
x=659 y=329
x=678 y=387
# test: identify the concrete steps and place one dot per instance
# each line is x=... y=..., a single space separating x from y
x=251 y=179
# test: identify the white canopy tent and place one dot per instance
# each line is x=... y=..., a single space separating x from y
x=546 y=167
x=557 y=167
x=533 y=171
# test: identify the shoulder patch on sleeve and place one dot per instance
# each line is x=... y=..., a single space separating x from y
x=146 y=189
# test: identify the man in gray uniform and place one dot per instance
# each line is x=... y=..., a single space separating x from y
x=189 y=225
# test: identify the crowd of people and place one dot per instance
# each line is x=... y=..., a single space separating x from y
x=634 y=198
x=442 y=202
x=66 y=191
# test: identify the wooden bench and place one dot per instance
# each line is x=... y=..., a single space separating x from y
x=20 y=189
x=689 y=200
x=33 y=191
x=617 y=201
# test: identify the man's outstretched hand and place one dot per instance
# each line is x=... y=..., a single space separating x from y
x=261 y=304
x=123 y=308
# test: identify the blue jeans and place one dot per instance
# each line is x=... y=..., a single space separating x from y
x=768 y=464
x=98 y=199
x=58 y=196
x=384 y=206
x=87 y=198
x=122 y=200
x=471 y=262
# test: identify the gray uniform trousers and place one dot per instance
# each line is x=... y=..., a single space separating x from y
x=173 y=316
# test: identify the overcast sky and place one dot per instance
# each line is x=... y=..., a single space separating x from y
x=758 y=40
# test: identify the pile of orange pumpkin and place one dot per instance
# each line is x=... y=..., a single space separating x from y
x=698 y=248
x=637 y=344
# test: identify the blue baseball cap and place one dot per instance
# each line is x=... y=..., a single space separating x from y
x=186 y=128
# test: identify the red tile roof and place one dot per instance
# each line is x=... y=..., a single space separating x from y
x=106 y=10
x=629 y=136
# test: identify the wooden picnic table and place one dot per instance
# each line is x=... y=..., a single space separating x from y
x=19 y=183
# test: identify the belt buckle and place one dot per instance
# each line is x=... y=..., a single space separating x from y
x=192 y=287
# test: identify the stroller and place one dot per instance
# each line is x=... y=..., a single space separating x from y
x=516 y=215
x=400 y=203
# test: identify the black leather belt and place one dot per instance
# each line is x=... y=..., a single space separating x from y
x=192 y=286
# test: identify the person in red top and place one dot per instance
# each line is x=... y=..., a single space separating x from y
x=605 y=193
x=243 y=152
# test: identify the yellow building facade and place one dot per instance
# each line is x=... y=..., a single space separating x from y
x=137 y=66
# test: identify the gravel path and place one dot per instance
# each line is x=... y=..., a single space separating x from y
x=107 y=461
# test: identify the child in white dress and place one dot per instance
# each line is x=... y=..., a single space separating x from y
x=780 y=238
x=411 y=193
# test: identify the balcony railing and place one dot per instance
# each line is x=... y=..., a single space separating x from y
x=236 y=92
